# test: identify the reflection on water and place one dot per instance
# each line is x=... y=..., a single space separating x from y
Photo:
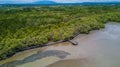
x=97 y=49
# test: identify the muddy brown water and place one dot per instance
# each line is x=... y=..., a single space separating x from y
x=98 y=49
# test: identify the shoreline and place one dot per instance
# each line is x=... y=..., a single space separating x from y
x=68 y=47
x=32 y=48
x=52 y=43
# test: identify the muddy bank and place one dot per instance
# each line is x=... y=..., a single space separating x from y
x=34 y=57
x=73 y=63
x=54 y=53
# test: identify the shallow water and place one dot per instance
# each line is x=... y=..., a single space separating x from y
x=97 y=49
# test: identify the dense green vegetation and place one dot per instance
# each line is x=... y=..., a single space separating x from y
x=23 y=27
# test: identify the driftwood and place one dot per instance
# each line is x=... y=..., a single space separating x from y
x=73 y=42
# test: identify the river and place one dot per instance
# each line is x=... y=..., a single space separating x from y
x=100 y=48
